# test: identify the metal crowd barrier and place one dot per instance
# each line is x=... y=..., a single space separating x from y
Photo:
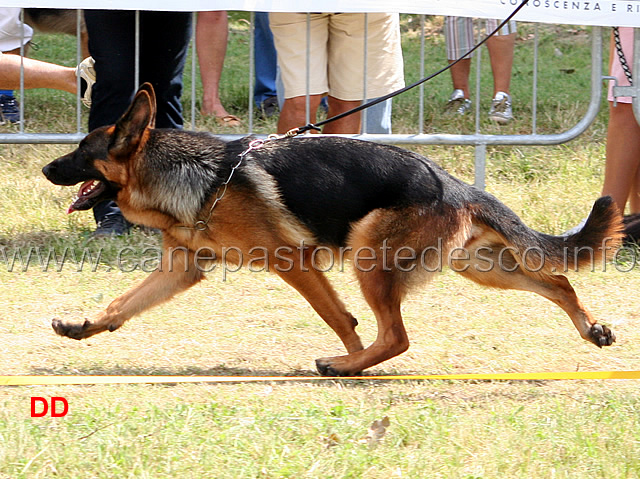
x=478 y=140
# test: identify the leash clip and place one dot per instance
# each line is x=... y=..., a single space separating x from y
x=200 y=225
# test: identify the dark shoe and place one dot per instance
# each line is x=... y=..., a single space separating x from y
x=112 y=225
x=269 y=107
x=10 y=108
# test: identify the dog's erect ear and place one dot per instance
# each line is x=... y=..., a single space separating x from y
x=148 y=87
x=130 y=128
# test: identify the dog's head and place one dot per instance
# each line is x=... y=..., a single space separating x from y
x=101 y=160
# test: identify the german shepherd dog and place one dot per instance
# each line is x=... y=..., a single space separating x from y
x=393 y=213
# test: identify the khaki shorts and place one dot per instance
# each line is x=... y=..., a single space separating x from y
x=336 y=54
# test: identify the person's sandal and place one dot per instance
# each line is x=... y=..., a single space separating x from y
x=86 y=71
x=230 y=121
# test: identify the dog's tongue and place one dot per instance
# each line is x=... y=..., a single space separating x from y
x=87 y=190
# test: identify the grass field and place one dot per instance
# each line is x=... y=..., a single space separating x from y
x=250 y=324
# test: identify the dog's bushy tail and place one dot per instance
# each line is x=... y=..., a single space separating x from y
x=592 y=246
x=599 y=238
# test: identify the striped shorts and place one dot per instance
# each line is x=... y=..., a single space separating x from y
x=459 y=38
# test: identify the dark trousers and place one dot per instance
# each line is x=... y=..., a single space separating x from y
x=164 y=42
x=266 y=59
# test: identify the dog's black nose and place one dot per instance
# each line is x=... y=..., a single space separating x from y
x=48 y=169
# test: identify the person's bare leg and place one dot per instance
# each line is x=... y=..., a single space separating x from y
x=37 y=74
x=84 y=45
x=460 y=76
x=212 y=29
x=501 y=56
x=293 y=114
x=623 y=155
x=348 y=124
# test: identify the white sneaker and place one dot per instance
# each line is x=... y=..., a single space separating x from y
x=457 y=103
x=500 y=111
x=87 y=72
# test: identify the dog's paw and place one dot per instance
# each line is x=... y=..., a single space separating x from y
x=326 y=367
x=602 y=335
x=73 y=331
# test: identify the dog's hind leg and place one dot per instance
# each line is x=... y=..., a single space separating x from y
x=559 y=290
x=382 y=244
x=499 y=270
x=178 y=273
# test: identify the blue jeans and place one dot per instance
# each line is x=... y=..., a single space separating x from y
x=266 y=60
x=378 y=118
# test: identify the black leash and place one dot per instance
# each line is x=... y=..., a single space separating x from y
x=316 y=126
x=203 y=224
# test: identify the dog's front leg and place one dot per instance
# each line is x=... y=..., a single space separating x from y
x=178 y=273
x=317 y=290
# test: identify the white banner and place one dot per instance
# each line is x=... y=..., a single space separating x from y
x=603 y=12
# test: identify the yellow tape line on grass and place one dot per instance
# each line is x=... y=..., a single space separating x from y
x=75 y=380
